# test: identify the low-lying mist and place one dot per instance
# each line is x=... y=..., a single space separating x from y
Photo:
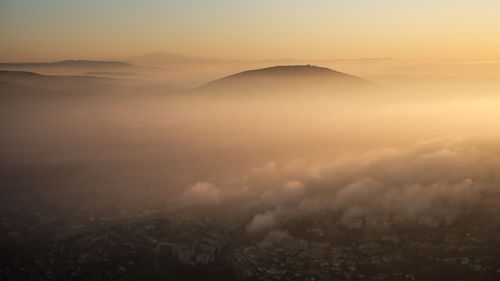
x=377 y=154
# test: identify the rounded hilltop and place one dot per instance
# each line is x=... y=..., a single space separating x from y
x=285 y=76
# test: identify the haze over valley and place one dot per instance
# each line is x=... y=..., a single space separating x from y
x=243 y=153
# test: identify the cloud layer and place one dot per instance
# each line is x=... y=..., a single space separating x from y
x=430 y=183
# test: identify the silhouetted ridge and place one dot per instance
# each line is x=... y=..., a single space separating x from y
x=29 y=82
x=167 y=58
x=8 y=75
x=287 y=70
x=18 y=74
x=68 y=63
x=289 y=77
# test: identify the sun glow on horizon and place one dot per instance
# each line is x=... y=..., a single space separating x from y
x=56 y=29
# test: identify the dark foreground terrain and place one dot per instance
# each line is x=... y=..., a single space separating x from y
x=44 y=244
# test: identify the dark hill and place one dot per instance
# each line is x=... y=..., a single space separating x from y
x=26 y=76
x=68 y=63
x=287 y=78
x=18 y=81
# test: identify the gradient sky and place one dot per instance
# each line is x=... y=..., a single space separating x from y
x=315 y=29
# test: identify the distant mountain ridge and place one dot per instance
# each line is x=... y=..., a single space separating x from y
x=67 y=63
x=167 y=58
x=22 y=76
x=29 y=83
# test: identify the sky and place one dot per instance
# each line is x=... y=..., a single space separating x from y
x=34 y=30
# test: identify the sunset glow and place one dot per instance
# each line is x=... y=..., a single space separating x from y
x=342 y=140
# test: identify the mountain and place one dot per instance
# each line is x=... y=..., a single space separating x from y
x=71 y=67
x=173 y=59
x=287 y=78
x=29 y=82
x=31 y=77
x=166 y=58
x=69 y=63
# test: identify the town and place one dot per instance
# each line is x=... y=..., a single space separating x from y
x=156 y=246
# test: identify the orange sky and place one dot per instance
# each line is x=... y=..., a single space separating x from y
x=232 y=29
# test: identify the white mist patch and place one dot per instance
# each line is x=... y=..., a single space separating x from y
x=200 y=193
x=262 y=222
